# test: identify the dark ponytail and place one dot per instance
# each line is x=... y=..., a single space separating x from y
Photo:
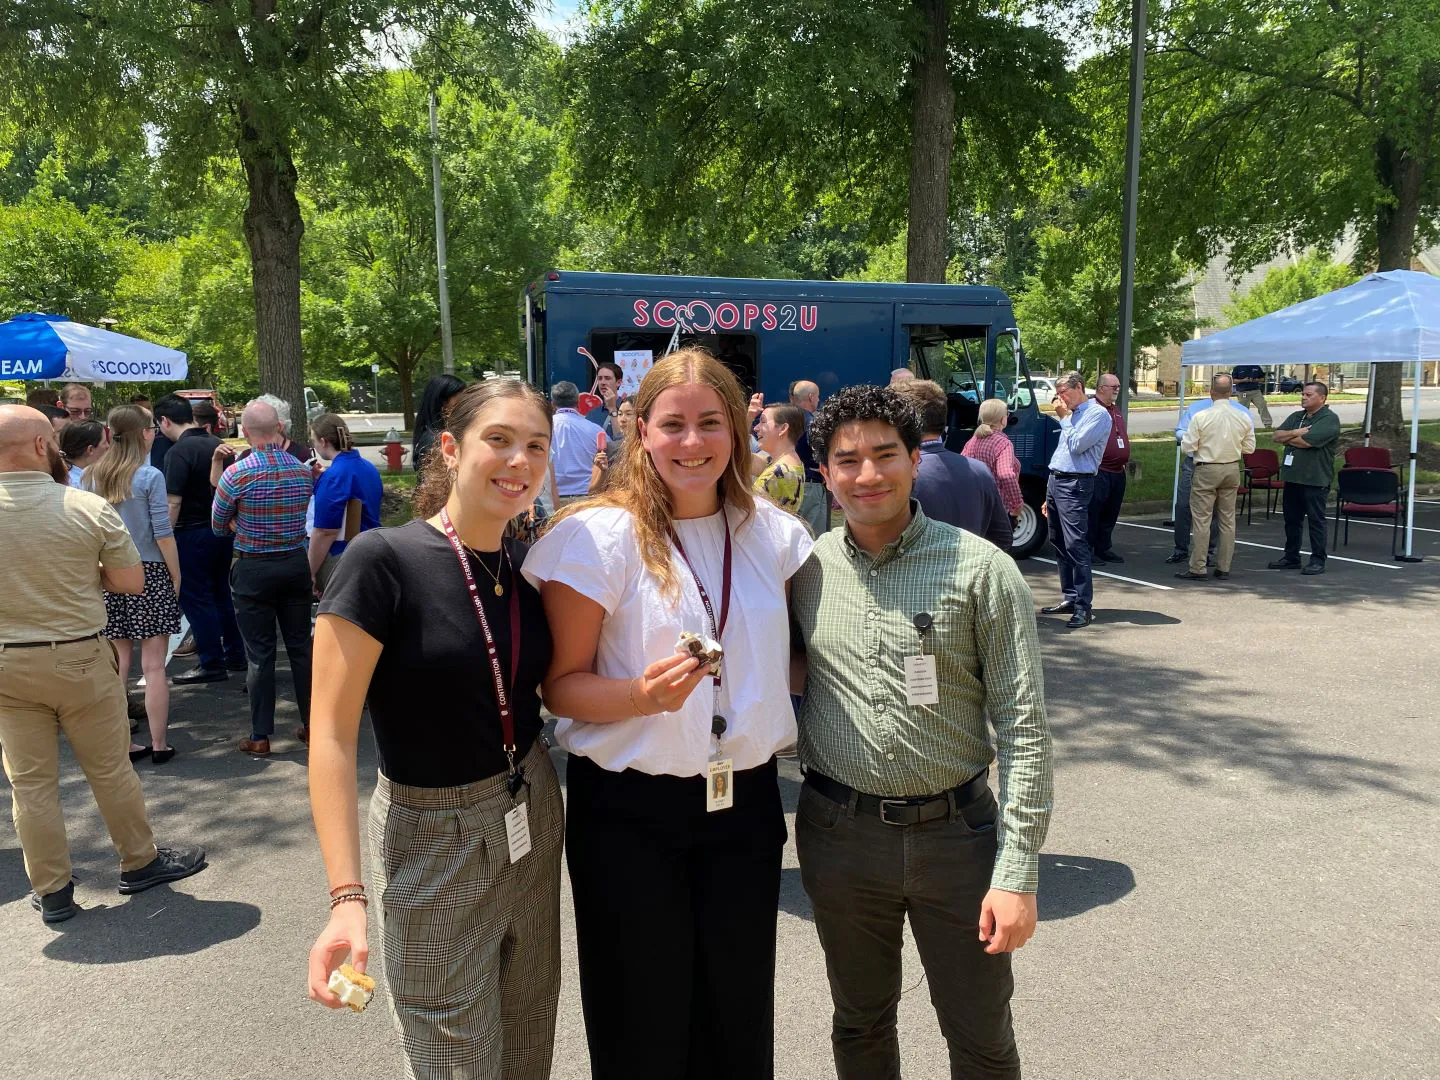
x=433 y=490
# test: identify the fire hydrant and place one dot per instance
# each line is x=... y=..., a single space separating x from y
x=394 y=452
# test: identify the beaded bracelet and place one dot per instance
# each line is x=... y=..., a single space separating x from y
x=347 y=897
x=348 y=885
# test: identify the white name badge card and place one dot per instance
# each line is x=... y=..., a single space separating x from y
x=922 y=686
x=720 y=785
x=517 y=832
x=1290 y=458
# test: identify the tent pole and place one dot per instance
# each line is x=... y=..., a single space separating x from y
x=1410 y=555
x=1175 y=485
x=1369 y=404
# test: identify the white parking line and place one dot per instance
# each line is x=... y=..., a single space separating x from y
x=1383 y=525
x=1118 y=577
x=1268 y=547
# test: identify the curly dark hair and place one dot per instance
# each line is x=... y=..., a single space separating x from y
x=858 y=404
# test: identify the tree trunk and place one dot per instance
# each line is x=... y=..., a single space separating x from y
x=1395 y=227
x=273 y=228
x=932 y=138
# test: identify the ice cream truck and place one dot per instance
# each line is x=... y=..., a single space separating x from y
x=772 y=333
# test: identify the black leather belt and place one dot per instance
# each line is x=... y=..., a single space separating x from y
x=902 y=811
x=269 y=554
x=1217 y=463
x=47 y=644
x=1073 y=475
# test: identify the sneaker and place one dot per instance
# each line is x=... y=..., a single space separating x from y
x=169 y=864
x=56 y=906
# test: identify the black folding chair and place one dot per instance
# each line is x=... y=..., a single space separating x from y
x=1369 y=493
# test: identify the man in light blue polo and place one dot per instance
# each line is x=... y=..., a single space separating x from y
x=1084 y=430
x=572 y=446
x=1187 y=477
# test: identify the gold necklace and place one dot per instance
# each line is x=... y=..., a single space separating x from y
x=504 y=558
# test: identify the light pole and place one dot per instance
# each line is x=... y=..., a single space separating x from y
x=1132 y=192
x=447 y=346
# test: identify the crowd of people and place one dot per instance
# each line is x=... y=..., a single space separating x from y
x=683 y=540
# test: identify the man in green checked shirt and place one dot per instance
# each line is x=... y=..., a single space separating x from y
x=914 y=633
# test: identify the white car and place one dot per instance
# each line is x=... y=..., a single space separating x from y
x=1040 y=388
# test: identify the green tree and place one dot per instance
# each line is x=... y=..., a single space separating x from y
x=1314 y=275
x=59 y=259
x=1286 y=125
x=738 y=120
x=372 y=261
x=258 y=82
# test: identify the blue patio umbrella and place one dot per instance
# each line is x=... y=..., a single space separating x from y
x=36 y=346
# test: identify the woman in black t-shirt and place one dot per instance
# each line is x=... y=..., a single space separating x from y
x=420 y=622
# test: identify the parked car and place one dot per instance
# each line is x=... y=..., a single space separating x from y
x=1036 y=388
x=313 y=405
x=229 y=422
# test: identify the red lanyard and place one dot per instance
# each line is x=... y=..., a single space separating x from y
x=507 y=719
x=716 y=629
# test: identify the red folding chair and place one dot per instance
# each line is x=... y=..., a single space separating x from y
x=1368 y=457
x=1369 y=493
x=1263 y=467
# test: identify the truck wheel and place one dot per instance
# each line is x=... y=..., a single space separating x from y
x=1030 y=531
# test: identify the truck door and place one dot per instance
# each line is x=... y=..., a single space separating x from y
x=1033 y=433
x=949 y=343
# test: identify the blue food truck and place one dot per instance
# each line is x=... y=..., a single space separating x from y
x=771 y=333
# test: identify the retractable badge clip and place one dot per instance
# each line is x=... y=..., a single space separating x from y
x=921 y=683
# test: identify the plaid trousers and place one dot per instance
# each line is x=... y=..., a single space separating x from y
x=471 y=942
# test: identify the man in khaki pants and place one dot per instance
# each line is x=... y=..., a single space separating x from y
x=59 y=546
x=1219 y=437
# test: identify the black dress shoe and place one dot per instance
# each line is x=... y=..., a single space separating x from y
x=1283 y=564
x=1065 y=607
x=1186 y=575
x=160 y=757
x=1079 y=619
x=169 y=864
x=199 y=675
x=1222 y=575
x=1313 y=568
x=56 y=906
x=1178 y=556
x=141 y=754
x=1109 y=556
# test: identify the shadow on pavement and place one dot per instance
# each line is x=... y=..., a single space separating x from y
x=793 y=899
x=1071 y=885
x=1134 y=617
x=161 y=922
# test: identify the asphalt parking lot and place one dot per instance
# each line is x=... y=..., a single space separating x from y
x=1238 y=880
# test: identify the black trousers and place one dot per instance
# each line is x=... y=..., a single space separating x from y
x=675 y=913
x=864 y=878
x=1105 y=503
x=1302 y=503
x=268 y=592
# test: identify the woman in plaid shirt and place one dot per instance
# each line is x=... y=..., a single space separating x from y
x=992 y=447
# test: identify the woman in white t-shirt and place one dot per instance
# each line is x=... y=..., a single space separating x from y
x=675 y=827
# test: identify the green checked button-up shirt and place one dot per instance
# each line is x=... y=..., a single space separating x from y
x=856 y=612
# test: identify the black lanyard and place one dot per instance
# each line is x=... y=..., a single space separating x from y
x=502 y=698
x=717 y=722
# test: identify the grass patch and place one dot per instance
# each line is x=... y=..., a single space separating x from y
x=397 y=506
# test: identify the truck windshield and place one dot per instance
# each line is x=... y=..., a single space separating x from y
x=954 y=356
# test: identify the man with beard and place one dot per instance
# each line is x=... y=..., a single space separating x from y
x=60 y=546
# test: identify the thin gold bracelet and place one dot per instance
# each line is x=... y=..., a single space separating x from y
x=633 y=704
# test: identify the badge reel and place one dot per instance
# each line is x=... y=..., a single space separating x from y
x=922 y=685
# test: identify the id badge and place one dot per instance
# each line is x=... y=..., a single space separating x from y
x=1290 y=458
x=922 y=686
x=720 y=785
x=517 y=832
x=1119 y=443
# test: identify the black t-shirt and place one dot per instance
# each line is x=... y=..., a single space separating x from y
x=432 y=697
x=187 y=474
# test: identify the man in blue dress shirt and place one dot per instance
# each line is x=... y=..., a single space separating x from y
x=1084 y=430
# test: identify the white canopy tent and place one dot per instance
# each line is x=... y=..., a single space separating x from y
x=1387 y=318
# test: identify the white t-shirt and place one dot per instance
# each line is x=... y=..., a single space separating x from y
x=596 y=554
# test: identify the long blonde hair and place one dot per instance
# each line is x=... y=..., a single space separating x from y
x=993 y=415
x=635 y=484
x=113 y=476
